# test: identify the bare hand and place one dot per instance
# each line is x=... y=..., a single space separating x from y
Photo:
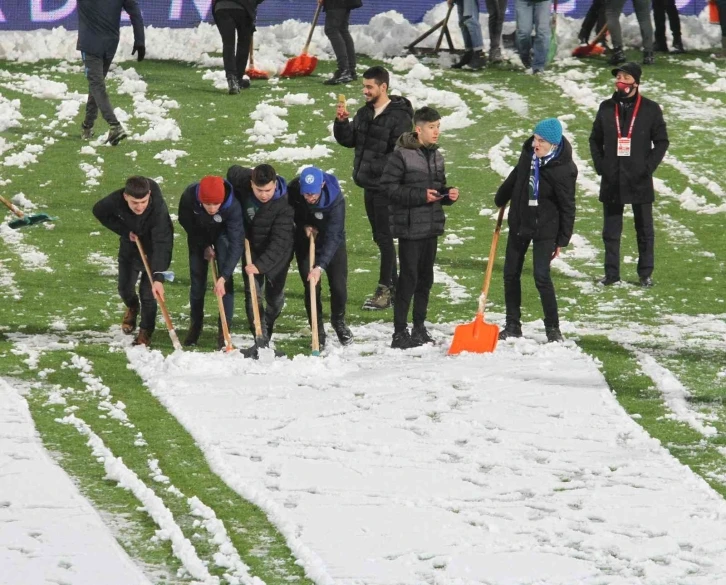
x=158 y=289
x=311 y=230
x=432 y=195
x=321 y=2
x=219 y=289
x=341 y=113
x=555 y=253
x=133 y=237
x=251 y=269
x=454 y=193
x=209 y=254
x=314 y=276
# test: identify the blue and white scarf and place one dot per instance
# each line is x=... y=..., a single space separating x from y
x=537 y=163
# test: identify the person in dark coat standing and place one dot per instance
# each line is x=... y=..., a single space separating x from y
x=415 y=183
x=212 y=218
x=268 y=221
x=373 y=133
x=628 y=141
x=138 y=211
x=235 y=19
x=319 y=207
x=98 y=37
x=337 y=21
x=541 y=189
x=661 y=8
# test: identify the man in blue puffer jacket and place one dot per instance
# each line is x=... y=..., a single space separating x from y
x=319 y=207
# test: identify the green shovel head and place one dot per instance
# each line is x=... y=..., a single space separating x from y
x=30 y=220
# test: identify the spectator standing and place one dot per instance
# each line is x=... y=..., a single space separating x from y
x=497 y=9
x=661 y=8
x=533 y=14
x=474 y=56
x=613 y=9
x=337 y=21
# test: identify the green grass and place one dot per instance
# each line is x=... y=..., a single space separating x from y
x=213 y=125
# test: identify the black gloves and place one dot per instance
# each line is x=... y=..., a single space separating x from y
x=141 y=49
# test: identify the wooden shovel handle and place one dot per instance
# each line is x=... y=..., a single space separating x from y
x=490 y=262
x=600 y=36
x=252 y=52
x=312 y=28
x=313 y=301
x=444 y=25
x=222 y=314
x=12 y=207
x=162 y=304
x=253 y=293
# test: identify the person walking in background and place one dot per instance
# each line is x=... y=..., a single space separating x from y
x=628 y=141
x=497 y=9
x=99 y=26
x=319 y=207
x=373 y=133
x=541 y=189
x=613 y=9
x=533 y=14
x=660 y=9
x=138 y=211
x=595 y=17
x=474 y=56
x=337 y=21
x=415 y=182
x=212 y=218
x=235 y=19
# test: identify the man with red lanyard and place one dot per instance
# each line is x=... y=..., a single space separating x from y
x=628 y=141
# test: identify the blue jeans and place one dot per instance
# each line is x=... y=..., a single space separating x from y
x=198 y=268
x=533 y=15
x=469 y=24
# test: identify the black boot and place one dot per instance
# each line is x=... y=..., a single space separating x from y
x=232 y=84
x=195 y=329
x=617 y=57
x=243 y=82
x=510 y=331
x=402 y=340
x=340 y=76
x=465 y=59
x=345 y=335
x=421 y=336
x=554 y=335
x=660 y=46
x=648 y=58
x=678 y=48
x=116 y=134
x=478 y=61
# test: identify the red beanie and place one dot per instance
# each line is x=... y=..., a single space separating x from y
x=211 y=190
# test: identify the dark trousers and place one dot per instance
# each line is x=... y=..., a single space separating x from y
x=614 y=9
x=234 y=23
x=660 y=9
x=198 y=269
x=513 y=262
x=130 y=267
x=337 y=21
x=271 y=287
x=645 y=234
x=414 y=281
x=377 y=210
x=96 y=69
x=595 y=16
x=722 y=17
x=496 y=10
x=337 y=273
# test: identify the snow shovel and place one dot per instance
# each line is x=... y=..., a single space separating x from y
x=480 y=336
x=251 y=71
x=303 y=64
x=222 y=315
x=552 y=51
x=594 y=48
x=259 y=341
x=313 y=302
x=162 y=304
x=713 y=14
x=23 y=219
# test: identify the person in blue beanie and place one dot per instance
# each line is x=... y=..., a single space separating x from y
x=319 y=206
x=541 y=193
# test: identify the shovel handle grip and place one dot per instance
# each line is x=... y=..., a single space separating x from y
x=253 y=293
x=490 y=262
x=12 y=207
x=312 y=28
x=222 y=314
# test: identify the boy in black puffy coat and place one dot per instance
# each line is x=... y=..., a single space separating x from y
x=415 y=182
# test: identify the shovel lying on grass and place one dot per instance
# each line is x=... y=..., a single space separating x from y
x=23 y=219
x=303 y=64
x=479 y=336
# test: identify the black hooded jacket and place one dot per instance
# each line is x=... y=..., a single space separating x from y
x=374 y=138
x=153 y=227
x=628 y=179
x=99 y=22
x=554 y=216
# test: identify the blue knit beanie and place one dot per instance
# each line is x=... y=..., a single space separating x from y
x=550 y=129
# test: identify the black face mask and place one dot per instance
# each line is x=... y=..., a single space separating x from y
x=624 y=88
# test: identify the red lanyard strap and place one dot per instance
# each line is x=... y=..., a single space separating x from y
x=632 y=121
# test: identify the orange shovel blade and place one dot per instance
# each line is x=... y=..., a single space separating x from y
x=300 y=66
x=257 y=74
x=475 y=337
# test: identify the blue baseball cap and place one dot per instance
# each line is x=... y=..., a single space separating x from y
x=311 y=181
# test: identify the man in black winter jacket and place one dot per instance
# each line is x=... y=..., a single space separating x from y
x=212 y=218
x=415 y=183
x=541 y=189
x=268 y=221
x=319 y=207
x=138 y=211
x=98 y=37
x=628 y=141
x=373 y=133
x=337 y=21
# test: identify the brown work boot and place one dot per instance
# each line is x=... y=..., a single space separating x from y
x=143 y=338
x=129 y=321
x=380 y=300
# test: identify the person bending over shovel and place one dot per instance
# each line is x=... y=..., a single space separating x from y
x=268 y=224
x=138 y=211
x=212 y=218
x=541 y=189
